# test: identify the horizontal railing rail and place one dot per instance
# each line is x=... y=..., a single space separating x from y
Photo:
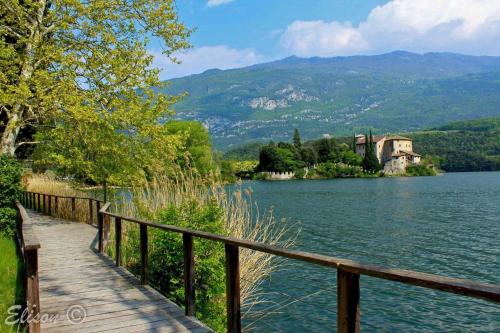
x=348 y=271
x=29 y=245
x=50 y=204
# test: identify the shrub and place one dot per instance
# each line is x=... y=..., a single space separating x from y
x=10 y=187
x=10 y=180
x=7 y=221
x=299 y=174
x=420 y=170
x=166 y=261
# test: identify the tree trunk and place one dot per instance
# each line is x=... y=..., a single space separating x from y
x=9 y=136
x=15 y=115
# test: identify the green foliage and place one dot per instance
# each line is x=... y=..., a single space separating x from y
x=299 y=174
x=196 y=150
x=462 y=146
x=227 y=171
x=249 y=151
x=277 y=159
x=336 y=170
x=335 y=159
x=84 y=65
x=420 y=170
x=166 y=261
x=83 y=70
x=10 y=180
x=371 y=163
x=10 y=187
x=7 y=221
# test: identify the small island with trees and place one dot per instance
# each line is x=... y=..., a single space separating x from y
x=330 y=157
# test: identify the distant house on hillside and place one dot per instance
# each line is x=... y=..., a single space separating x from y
x=394 y=152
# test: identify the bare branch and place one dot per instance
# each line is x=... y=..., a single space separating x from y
x=27 y=143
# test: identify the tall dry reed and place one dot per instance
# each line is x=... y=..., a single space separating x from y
x=48 y=184
x=242 y=220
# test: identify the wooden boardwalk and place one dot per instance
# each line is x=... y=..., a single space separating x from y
x=85 y=292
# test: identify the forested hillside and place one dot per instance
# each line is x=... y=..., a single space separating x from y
x=462 y=146
x=398 y=91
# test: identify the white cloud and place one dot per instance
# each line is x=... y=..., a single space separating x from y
x=215 y=3
x=467 y=26
x=200 y=59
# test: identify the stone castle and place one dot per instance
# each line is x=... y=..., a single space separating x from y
x=394 y=152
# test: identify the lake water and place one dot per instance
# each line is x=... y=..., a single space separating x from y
x=447 y=225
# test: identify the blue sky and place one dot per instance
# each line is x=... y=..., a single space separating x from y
x=257 y=23
x=236 y=33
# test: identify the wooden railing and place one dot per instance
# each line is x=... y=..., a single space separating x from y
x=348 y=271
x=51 y=205
x=29 y=245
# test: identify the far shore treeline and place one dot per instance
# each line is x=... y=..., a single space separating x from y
x=457 y=147
x=324 y=158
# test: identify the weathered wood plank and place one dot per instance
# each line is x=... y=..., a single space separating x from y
x=189 y=291
x=73 y=273
x=233 y=289
x=348 y=320
x=144 y=254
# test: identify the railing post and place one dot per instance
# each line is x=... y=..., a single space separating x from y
x=348 y=320
x=56 y=205
x=32 y=203
x=32 y=289
x=118 y=240
x=91 y=211
x=233 y=289
x=100 y=222
x=44 y=203
x=189 y=291
x=144 y=254
x=50 y=205
x=73 y=209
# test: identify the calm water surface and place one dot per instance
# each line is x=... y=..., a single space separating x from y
x=447 y=225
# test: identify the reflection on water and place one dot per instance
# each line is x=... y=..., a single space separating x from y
x=447 y=225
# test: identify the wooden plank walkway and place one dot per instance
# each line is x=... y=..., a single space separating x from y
x=85 y=292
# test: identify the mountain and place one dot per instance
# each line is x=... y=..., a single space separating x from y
x=398 y=91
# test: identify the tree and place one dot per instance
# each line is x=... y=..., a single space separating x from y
x=324 y=148
x=370 y=160
x=196 y=147
x=354 y=143
x=296 y=139
x=68 y=58
x=308 y=156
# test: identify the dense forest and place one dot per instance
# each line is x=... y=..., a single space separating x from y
x=462 y=146
x=459 y=146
